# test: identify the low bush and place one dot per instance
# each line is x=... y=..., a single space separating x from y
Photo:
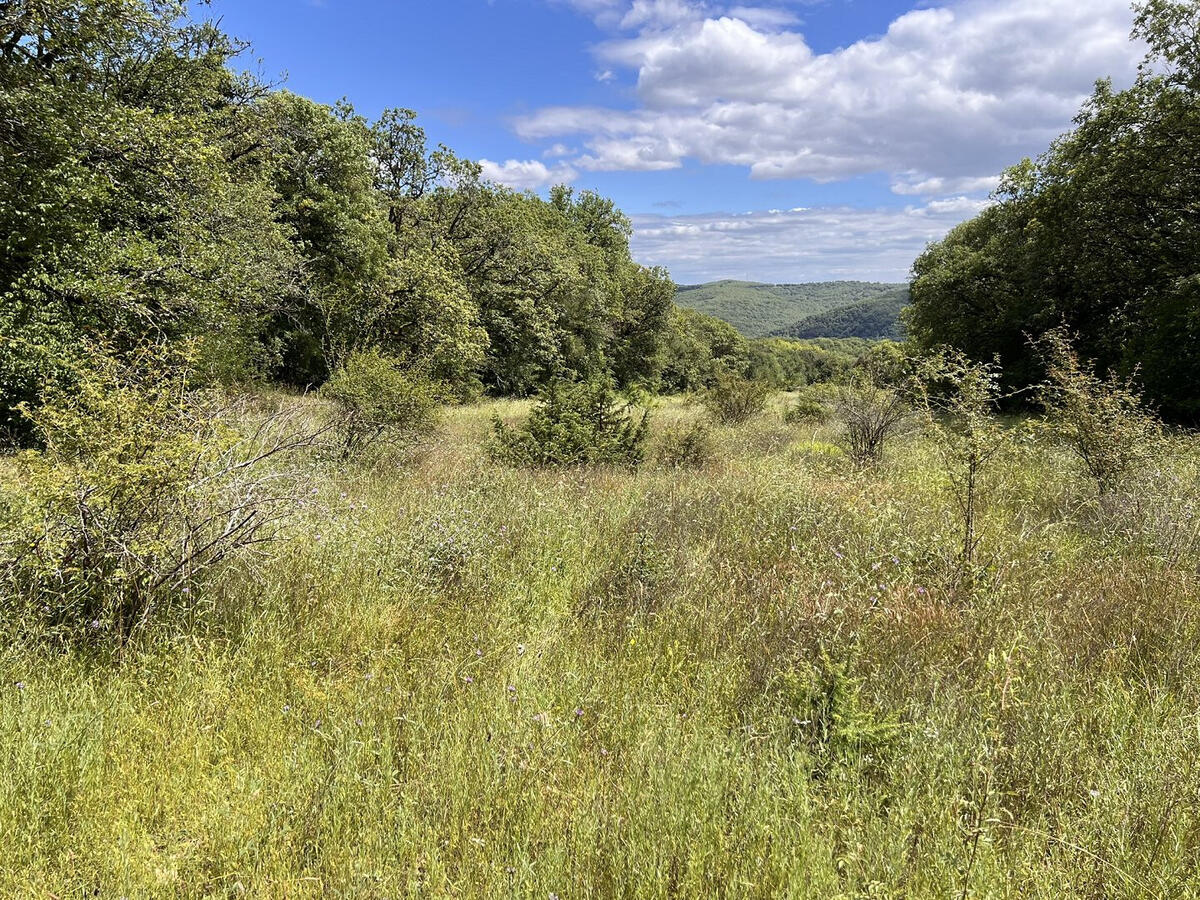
x=380 y=401
x=871 y=415
x=807 y=409
x=1103 y=421
x=686 y=446
x=140 y=486
x=585 y=423
x=733 y=400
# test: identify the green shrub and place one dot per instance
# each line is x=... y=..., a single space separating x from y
x=807 y=409
x=686 y=446
x=733 y=400
x=871 y=415
x=140 y=487
x=380 y=401
x=1103 y=421
x=574 y=424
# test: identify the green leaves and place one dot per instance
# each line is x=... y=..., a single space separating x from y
x=1100 y=235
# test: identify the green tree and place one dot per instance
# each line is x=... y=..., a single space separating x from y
x=1101 y=235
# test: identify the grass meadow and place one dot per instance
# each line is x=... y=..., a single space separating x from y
x=762 y=677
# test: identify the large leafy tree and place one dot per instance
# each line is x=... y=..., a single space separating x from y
x=150 y=193
x=127 y=207
x=1101 y=235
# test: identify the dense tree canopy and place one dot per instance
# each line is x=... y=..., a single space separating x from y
x=1100 y=235
x=149 y=192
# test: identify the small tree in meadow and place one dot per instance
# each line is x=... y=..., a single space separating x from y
x=871 y=414
x=958 y=400
x=143 y=482
x=734 y=399
x=574 y=424
x=380 y=400
x=1102 y=421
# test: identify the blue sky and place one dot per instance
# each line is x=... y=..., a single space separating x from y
x=787 y=141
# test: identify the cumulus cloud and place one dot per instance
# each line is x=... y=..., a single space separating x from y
x=529 y=174
x=825 y=244
x=940 y=103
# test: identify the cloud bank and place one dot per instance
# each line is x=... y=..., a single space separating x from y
x=820 y=244
x=942 y=102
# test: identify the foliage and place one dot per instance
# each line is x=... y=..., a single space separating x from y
x=1103 y=421
x=871 y=414
x=757 y=310
x=875 y=318
x=787 y=364
x=577 y=424
x=686 y=446
x=959 y=401
x=149 y=192
x=142 y=486
x=695 y=348
x=1100 y=235
x=130 y=206
x=733 y=399
x=808 y=409
x=380 y=401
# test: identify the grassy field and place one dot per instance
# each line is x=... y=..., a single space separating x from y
x=757 y=679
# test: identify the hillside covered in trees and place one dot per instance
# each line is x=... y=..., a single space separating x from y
x=876 y=318
x=1100 y=235
x=760 y=310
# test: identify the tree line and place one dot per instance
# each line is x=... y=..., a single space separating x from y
x=151 y=192
x=1100 y=236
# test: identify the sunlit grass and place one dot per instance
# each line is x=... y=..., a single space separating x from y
x=760 y=678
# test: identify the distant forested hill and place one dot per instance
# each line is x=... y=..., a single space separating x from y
x=876 y=318
x=759 y=310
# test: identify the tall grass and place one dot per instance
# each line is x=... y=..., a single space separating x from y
x=757 y=679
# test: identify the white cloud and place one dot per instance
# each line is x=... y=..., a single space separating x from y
x=940 y=103
x=825 y=244
x=764 y=18
x=528 y=174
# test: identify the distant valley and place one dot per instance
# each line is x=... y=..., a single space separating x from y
x=862 y=309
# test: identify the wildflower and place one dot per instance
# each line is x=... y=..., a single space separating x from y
x=358 y=722
x=520 y=649
x=839 y=554
x=20 y=685
x=478 y=652
x=512 y=688
x=468 y=679
x=920 y=590
x=578 y=712
x=895 y=561
x=603 y=752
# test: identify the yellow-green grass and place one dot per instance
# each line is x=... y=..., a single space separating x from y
x=759 y=678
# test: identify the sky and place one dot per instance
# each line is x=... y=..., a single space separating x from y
x=810 y=140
